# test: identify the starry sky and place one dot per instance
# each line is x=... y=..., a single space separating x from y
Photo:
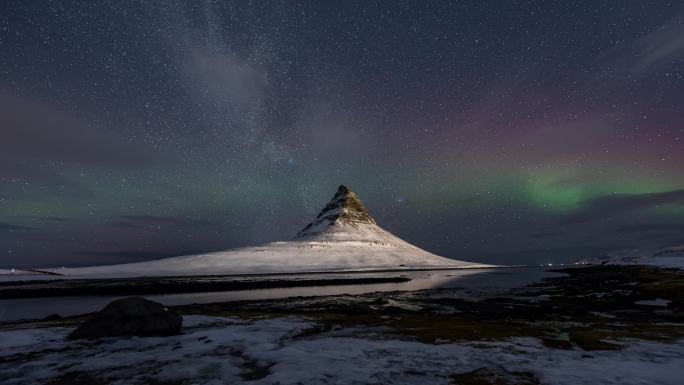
x=493 y=131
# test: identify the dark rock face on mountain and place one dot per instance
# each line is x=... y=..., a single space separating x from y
x=130 y=317
x=345 y=206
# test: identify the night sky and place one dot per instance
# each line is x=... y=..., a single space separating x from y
x=493 y=131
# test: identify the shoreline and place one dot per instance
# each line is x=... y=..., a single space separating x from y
x=75 y=278
x=147 y=286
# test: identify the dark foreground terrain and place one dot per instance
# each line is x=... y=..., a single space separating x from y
x=593 y=325
x=584 y=309
x=168 y=285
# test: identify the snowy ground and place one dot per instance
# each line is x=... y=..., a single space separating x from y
x=9 y=275
x=592 y=325
x=214 y=350
x=669 y=257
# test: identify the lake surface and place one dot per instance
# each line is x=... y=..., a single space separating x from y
x=465 y=283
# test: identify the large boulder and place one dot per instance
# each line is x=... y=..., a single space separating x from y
x=130 y=317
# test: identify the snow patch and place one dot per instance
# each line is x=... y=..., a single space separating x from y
x=653 y=302
x=214 y=350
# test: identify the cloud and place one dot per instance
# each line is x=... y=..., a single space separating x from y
x=330 y=130
x=225 y=76
x=661 y=233
x=659 y=47
x=40 y=145
x=650 y=227
x=546 y=234
x=43 y=219
x=142 y=221
x=563 y=141
x=11 y=228
x=34 y=131
x=229 y=81
x=618 y=204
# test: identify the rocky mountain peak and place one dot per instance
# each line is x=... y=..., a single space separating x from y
x=344 y=207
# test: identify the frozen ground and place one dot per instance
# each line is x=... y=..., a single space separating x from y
x=215 y=350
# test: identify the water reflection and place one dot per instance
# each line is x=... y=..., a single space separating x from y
x=467 y=283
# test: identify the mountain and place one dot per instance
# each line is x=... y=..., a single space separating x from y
x=345 y=207
x=343 y=237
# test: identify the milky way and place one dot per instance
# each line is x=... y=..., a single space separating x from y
x=504 y=132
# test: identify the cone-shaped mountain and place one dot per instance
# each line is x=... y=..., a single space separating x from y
x=345 y=206
x=343 y=237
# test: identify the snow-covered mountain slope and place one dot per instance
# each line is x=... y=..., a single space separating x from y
x=342 y=237
x=670 y=257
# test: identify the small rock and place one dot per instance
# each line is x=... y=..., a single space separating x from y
x=494 y=376
x=130 y=317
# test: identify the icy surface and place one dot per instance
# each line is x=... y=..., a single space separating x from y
x=216 y=350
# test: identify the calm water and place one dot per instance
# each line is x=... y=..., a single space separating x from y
x=468 y=283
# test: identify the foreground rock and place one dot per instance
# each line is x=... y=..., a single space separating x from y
x=130 y=317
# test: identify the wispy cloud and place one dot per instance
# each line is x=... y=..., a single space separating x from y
x=546 y=234
x=661 y=46
x=142 y=221
x=617 y=204
x=34 y=131
x=10 y=227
